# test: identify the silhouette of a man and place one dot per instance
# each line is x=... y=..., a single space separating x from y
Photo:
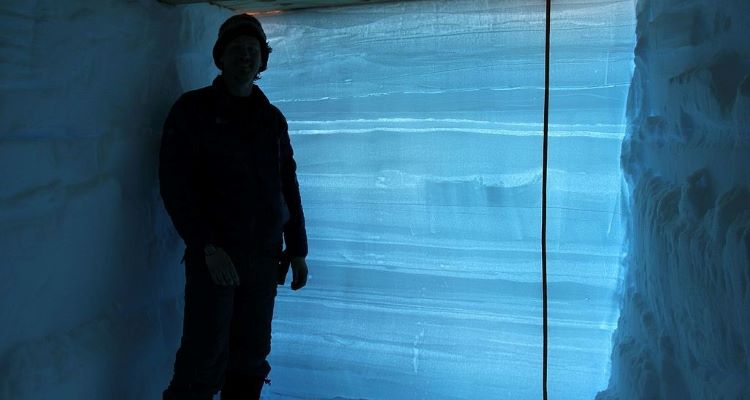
x=228 y=180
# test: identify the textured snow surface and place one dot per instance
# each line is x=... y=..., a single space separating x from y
x=684 y=331
x=90 y=285
x=417 y=128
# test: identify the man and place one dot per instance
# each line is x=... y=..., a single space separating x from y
x=228 y=180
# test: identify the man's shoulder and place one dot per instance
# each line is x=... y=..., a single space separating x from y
x=264 y=99
x=275 y=110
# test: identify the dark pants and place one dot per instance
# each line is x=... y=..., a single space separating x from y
x=226 y=331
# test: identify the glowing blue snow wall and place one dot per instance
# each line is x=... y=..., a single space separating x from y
x=417 y=130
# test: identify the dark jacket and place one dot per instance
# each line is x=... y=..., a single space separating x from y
x=227 y=173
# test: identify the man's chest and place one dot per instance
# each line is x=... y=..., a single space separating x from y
x=237 y=142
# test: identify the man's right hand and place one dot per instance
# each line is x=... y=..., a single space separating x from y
x=222 y=269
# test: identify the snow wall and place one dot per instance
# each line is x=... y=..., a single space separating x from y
x=91 y=288
x=417 y=129
x=684 y=331
x=402 y=303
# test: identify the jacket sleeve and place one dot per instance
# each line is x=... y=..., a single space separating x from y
x=177 y=178
x=295 y=234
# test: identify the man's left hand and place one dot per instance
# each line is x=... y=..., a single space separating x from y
x=299 y=273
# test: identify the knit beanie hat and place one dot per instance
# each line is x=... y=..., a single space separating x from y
x=238 y=25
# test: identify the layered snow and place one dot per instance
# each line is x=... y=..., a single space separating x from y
x=417 y=128
x=684 y=331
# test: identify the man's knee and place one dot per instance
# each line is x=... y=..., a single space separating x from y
x=242 y=387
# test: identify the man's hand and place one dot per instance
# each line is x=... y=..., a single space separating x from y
x=299 y=273
x=222 y=269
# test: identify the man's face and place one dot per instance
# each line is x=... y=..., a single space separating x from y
x=241 y=59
